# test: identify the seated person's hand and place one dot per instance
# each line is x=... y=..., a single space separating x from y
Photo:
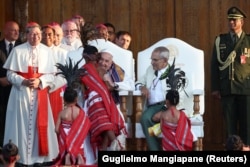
x=144 y=91
x=246 y=148
x=157 y=117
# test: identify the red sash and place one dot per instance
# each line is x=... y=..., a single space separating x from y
x=42 y=113
x=56 y=102
x=182 y=140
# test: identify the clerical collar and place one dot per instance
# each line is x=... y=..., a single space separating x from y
x=32 y=46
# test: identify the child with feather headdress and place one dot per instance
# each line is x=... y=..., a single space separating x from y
x=174 y=124
x=73 y=124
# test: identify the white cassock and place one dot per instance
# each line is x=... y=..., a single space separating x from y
x=59 y=56
x=21 y=116
x=76 y=44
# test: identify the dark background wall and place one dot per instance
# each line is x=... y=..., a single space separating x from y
x=195 y=21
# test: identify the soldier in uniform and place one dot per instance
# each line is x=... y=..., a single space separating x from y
x=230 y=75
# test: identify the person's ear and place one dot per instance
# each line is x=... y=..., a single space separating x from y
x=242 y=21
x=17 y=157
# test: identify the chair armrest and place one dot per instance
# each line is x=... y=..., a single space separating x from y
x=197 y=125
x=198 y=92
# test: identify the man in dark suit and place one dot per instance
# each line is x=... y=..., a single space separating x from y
x=11 y=35
x=230 y=75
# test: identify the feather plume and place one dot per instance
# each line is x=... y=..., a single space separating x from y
x=176 y=79
x=71 y=72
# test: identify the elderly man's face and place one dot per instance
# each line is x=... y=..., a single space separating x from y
x=157 y=61
x=34 y=36
x=70 y=32
x=58 y=35
x=105 y=61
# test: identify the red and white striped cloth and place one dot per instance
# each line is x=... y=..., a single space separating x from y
x=72 y=141
x=177 y=136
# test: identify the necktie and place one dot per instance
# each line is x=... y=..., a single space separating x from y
x=10 y=47
x=235 y=38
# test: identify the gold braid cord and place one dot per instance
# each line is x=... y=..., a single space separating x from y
x=228 y=61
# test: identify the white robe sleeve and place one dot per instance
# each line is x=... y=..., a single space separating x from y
x=15 y=79
x=127 y=84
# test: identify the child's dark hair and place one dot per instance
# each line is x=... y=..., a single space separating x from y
x=234 y=143
x=173 y=96
x=9 y=152
x=70 y=95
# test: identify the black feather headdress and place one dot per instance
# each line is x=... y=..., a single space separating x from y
x=176 y=79
x=71 y=73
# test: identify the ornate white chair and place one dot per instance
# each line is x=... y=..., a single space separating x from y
x=124 y=58
x=191 y=61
